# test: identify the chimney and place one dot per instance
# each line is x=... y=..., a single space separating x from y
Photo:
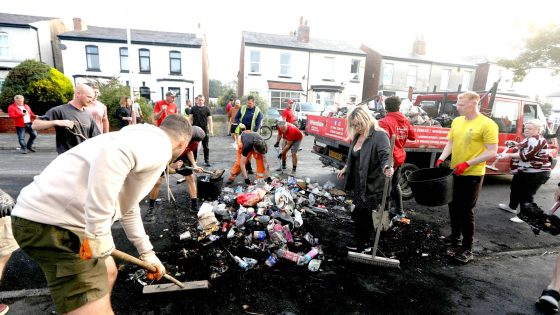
x=79 y=25
x=419 y=46
x=303 y=31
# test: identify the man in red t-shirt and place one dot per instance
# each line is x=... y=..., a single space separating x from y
x=292 y=141
x=165 y=107
x=395 y=123
x=288 y=113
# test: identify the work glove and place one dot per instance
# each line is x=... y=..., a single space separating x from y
x=439 y=163
x=247 y=181
x=6 y=204
x=460 y=168
x=277 y=144
x=268 y=180
x=151 y=258
x=97 y=246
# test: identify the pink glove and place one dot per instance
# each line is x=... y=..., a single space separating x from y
x=438 y=163
x=460 y=168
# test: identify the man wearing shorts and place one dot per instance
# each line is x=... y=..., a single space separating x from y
x=292 y=141
x=7 y=242
x=188 y=160
x=63 y=219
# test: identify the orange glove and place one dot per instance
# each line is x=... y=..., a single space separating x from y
x=460 y=168
x=151 y=258
x=96 y=246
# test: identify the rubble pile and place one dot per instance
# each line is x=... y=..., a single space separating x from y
x=262 y=225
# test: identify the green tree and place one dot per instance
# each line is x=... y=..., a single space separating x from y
x=42 y=86
x=216 y=88
x=228 y=94
x=541 y=50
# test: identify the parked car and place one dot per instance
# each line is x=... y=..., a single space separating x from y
x=271 y=116
x=301 y=110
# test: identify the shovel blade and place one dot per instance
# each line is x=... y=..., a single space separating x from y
x=171 y=287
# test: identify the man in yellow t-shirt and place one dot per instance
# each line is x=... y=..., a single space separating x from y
x=472 y=140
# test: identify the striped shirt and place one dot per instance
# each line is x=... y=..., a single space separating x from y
x=534 y=157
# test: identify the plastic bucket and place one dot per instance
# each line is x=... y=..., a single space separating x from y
x=209 y=189
x=432 y=186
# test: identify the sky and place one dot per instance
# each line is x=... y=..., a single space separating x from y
x=452 y=28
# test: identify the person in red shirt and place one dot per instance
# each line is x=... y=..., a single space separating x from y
x=165 y=107
x=292 y=141
x=288 y=113
x=188 y=160
x=23 y=118
x=395 y=123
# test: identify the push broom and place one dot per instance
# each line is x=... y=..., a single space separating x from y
x=373 y=259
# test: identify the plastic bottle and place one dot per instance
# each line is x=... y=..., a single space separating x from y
x=307 y=257
x=251 y=262
x=241 y=263
x=311 y=199
x=239 y=189
x=286 y=254
x=314 y=265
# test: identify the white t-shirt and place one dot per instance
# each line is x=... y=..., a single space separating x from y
x=26 y=116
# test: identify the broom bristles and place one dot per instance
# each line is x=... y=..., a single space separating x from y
x=374 y=260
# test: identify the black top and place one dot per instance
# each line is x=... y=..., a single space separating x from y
x=84 y=126
x=248 y=139
x=200 y=116
x=121 y=113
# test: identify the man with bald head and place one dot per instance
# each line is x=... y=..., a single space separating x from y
x=73 y=124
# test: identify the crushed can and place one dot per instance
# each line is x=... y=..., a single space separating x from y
x=259 y=235
x=271 y=260
x=314 y=265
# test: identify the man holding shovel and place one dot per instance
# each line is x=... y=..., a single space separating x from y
x=292 y=141
x=189 y=161
x=63 y=219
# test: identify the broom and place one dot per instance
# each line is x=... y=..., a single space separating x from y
x=373 y=259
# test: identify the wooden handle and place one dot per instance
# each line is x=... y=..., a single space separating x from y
x=131 y=259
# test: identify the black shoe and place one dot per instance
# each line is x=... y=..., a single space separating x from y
x=250 y=172
x=24 y=151
x=207 y=164
x=548 y=301
x=31 y=150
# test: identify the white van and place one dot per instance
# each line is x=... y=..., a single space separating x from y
x=301 y=110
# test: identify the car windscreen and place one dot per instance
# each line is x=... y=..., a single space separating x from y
x=310 y=107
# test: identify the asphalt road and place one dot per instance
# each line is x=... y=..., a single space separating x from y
x=512 y=265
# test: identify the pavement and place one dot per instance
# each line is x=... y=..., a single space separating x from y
x=512 y=264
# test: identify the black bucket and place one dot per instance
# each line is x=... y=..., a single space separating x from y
x=208 y=188
x=432 y=186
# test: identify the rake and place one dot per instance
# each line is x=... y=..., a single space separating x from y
x=373 y=259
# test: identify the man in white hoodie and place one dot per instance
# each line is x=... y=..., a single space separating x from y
x=63 y=218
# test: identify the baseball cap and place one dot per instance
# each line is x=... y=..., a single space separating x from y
x=290 y=101
x=170 y=93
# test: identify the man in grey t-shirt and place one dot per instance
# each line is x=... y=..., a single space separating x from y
x=72 y=123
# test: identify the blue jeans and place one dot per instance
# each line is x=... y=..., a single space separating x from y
x=21 y=136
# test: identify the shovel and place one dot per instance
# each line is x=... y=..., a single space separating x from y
x=217 y=174
x=177 y=286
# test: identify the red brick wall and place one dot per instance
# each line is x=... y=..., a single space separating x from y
x=7 y=125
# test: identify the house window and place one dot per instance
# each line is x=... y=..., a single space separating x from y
x=123 y=53
x=92 y=57
x=4 y=45
x=411 y=76
x=279 y=99
x=328 y=68
x=255 y=56
x=444 y=84
x=465 y=84
x=355 y=69
x=285 y=60
x=388 y=74
x=175 y=62
x=144 y=56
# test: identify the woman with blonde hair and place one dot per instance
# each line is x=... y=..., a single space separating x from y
x=124 y=112
x=530 y=165
x=366 y=166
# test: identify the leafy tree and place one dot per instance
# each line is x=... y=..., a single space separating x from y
x=228 y=94
x=216 y=88
x=42 y=86
x=541 y=50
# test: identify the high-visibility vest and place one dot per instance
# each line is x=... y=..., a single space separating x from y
x=255 y=115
